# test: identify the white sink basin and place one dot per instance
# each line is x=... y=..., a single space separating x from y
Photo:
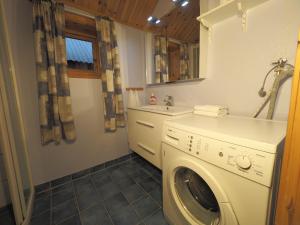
x=166 y=110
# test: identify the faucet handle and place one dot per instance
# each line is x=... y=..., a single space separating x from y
x=169 y=100
x=167 y=97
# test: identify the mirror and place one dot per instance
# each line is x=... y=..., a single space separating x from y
x=172 y=48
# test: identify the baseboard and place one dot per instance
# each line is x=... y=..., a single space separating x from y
x=62 y=180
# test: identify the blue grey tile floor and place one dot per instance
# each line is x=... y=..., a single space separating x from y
x=126 y=194
x=6 y=216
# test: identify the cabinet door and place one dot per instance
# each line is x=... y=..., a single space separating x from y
x=144 y=134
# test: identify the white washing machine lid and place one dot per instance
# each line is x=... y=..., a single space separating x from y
x=259 y=134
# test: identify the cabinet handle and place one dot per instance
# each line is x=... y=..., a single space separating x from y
x=174 y=138
x=146 y=148
x=145 y=123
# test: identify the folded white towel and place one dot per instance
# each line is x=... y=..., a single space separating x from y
x=221 y=113
x=209 y=108
x=210 y=114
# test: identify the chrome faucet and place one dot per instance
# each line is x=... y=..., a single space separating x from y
x=169 y=100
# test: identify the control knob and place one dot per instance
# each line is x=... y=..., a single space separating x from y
x=243 y=162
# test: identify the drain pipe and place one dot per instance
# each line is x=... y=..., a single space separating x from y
x=282 y=74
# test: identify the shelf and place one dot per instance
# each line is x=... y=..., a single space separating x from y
x=227 y=10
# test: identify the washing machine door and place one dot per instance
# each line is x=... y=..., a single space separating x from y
x=198 y=196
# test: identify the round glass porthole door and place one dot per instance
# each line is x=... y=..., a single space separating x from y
x=196 y=197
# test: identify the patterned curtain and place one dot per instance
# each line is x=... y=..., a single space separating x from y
x=161 y=59
x=56 y=118
x=110 y=74
x=184 y=62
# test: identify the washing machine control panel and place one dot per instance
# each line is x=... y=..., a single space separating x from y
x=249 y=163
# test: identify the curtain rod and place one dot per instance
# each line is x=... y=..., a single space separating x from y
x=78 y=12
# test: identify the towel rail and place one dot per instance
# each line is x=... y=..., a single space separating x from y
x=134 y=89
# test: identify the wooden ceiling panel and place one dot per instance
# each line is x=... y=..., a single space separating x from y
x=87 y=4
x=180 y=23
x=136 y=7
x=120 y=7
x=126 y=10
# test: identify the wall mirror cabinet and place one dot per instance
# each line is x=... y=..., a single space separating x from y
x=172 y=50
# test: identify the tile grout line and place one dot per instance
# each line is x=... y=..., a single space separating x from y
x=130 y=157
x=152 y=199
x=154 y=212
x=46 y=210
x=89 y=207
x=51 y=207
x=109 y=216
x=76 y=201
x=129 y=204
x=131 y=160
x=160 y=206
x=92 y=181
x=147 y=195
x=110 y=175
x=65 y=219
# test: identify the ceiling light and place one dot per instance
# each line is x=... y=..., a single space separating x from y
x=184 y=3
x=153 y=20
x=174 y=0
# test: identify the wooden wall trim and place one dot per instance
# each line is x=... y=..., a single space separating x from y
x=83 y=28
x=81 y=25
x=288 y=205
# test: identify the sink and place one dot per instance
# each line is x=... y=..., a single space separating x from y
x=166 y=110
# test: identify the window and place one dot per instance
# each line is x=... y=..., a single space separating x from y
x=81 y=47
x=79 y=54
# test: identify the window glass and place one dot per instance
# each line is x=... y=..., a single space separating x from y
x=79 y=54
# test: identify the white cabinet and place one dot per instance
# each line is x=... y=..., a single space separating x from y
x=144 y=134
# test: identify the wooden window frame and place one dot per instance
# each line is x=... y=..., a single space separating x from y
x=81 y=35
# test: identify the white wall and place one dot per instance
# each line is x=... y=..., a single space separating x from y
x=132 y=58
x=93 y=146
x=238 y=61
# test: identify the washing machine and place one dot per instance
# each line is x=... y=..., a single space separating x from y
x=221 y=171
